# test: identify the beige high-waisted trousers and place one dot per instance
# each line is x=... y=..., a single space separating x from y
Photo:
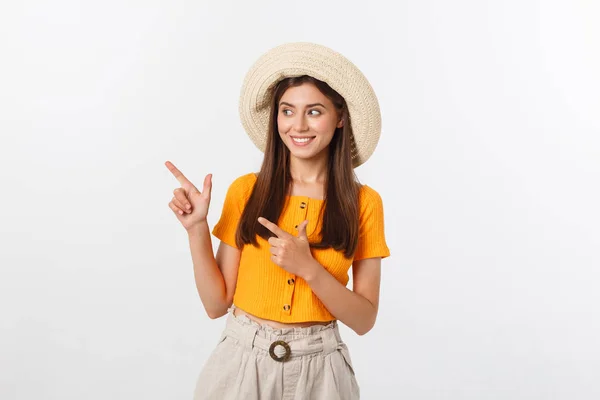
x=253 y=361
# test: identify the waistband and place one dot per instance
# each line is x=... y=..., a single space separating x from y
x=286 y=343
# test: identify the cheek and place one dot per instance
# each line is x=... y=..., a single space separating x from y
x=323 y=126
x=283 y=124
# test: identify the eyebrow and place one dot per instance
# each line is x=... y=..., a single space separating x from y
x=308 y=105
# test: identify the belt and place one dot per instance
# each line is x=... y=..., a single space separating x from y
x=246 y=335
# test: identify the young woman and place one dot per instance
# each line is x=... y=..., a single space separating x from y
x=290 y=233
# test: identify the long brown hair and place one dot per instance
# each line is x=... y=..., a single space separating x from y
x=268 y=198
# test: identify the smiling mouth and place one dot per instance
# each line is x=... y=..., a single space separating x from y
x=302 y=141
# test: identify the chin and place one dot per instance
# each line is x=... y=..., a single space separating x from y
x=302 y=156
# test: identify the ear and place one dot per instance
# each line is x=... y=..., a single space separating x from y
x=340 y=123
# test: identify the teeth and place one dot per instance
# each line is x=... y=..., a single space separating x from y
x=301 y=140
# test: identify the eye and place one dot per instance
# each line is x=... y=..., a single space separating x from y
x=285 y=111
x=317 y=112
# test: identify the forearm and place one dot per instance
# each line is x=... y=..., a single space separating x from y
x=349 y=307
x=209 y=279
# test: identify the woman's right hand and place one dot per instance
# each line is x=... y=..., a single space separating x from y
x=189 y=204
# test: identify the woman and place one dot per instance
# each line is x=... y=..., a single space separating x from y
x=290 y=233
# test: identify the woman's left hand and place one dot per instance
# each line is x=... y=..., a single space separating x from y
x=290 y=252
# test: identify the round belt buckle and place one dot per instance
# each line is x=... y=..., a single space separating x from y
x=283 y=344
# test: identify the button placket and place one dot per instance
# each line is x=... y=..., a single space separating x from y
x=290 y=287
x=303 y=212
x=290 y=281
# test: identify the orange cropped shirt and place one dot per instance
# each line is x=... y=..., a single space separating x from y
x=270 y=292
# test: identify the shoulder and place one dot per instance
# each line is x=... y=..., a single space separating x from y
x=246 y=180
x=370 y=203
x=243 y=185
x=367 y=196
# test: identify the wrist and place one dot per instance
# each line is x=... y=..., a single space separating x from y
x=198 y=229
x=313 y=272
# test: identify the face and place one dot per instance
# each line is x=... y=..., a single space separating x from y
x=307 y=120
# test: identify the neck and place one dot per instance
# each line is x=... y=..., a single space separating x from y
x=309 y=170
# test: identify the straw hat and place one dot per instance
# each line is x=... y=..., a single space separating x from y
x=322 y=63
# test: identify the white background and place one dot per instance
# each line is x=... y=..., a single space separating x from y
x=488 y=166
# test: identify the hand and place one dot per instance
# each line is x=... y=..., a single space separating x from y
x=290 y=252
x=189 y=204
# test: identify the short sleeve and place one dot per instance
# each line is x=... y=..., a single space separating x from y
x=233 y=206
x=371 y=233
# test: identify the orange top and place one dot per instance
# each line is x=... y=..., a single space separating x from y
x=270 y=292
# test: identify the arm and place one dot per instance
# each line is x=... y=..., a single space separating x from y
x=215 y=277
x=356 y=308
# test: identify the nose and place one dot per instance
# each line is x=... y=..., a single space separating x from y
x=300 y=123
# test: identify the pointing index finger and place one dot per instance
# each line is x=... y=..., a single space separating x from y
x=273 y=228
x=185 y=182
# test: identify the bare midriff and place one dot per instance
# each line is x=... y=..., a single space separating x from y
x=275 y=324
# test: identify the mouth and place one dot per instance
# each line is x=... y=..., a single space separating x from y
x=302 y=141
